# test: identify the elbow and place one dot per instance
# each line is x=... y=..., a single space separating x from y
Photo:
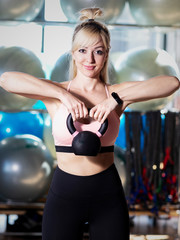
x=4 y=81
x=3 y=78
x=173 y=85
x=176 y=83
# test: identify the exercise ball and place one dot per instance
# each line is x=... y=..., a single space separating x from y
x=25 y=10
x=112 y=9
x=153 y=12
x=22 y=60
x=47 y=135
x=60 y=71
x=26 y=168
x=114 y=56
x=143 y=63
x=119 y=161
x=30 y=122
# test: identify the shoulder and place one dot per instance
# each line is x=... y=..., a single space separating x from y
x=64 y=84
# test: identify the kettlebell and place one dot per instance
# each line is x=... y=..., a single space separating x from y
x=86 y=143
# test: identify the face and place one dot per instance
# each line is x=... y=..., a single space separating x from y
x=90 y=59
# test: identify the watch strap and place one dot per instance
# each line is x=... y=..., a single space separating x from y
x=117 y=98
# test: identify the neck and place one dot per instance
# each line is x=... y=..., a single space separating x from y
x=85 y=83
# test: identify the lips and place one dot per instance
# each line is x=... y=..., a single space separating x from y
x=89 y=67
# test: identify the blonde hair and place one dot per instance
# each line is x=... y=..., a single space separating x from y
x=86 y=34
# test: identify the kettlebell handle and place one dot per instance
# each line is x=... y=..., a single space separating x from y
x=72 y=129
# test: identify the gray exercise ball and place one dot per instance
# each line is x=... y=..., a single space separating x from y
x=21 y=60
x=25 y=10
x=112 y=9
x=26 y=168
x=141 y=64
x=153 y=12
x=60 y=72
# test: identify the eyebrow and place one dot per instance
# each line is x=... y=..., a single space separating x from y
x=94 y=48
x=100 y=47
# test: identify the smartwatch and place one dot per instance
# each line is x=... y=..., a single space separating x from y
x=117 y=98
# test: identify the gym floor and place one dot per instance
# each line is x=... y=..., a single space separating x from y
x=141 y=226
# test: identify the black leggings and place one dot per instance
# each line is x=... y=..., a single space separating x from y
x=74 y=200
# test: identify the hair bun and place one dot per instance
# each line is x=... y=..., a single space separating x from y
x=90 y=14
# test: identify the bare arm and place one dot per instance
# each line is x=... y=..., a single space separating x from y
x=32 y=87
x=157 y=87
x=130 y=92
x=29 y=86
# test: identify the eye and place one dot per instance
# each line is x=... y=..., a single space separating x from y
x=82 y=50
x=99 y=52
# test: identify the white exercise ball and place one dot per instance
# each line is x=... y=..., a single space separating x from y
x=112 y=9
x=141 y=64
x=153 y=12
x=25 y=10
x=21 y=60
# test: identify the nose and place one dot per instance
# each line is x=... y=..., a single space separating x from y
x=90 y=57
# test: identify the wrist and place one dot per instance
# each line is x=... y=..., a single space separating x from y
x=61 y=94
x=117 y=98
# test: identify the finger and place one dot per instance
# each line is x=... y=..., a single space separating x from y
x=73 y=115
x=81 y=115
x=77 y=116
x=96 y=115
x=76 y=111
x=92 y=111
x=104 y=117
x=101 y=114
x=85 y=111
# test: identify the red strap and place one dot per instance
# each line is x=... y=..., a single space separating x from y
x=167 y=157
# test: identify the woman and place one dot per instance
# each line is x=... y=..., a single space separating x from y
x=86 y=186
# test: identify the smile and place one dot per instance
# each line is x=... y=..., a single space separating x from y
x=89 y=67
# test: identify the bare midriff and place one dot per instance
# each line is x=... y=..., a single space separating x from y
x=84 y=165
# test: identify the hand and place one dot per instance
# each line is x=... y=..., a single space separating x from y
x=75 y=106
x=101 y=111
